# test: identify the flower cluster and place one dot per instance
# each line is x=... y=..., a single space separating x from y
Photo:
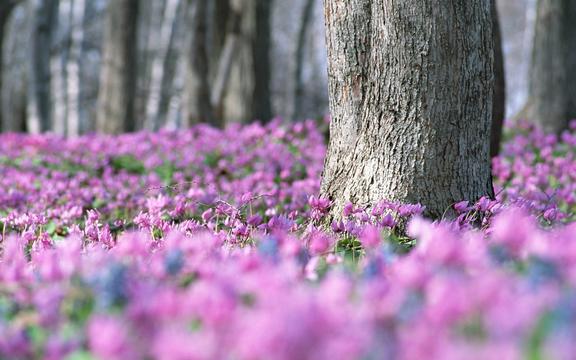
x=208 y=244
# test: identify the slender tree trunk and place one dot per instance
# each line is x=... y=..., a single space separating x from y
x=218 y=30
x=197 y=88
x=58 y=66
x=118 y=77
x=44 y=16
x=15 y=78
x=499 y=104
x=174 y=110
x=247 y=95
x=226 y=59
x=411 y=87
x=299 y=60
x=159 y=64
x=5 y=11
x=237 y=64
x=73 y=69
x=552 y=89
x=261 y=102
x=170 y=94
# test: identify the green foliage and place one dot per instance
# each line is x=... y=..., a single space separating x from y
x=211 y=159
x=128 y=163
x=538 y=338
x=166 y=172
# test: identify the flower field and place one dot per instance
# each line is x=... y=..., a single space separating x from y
x=213 y=244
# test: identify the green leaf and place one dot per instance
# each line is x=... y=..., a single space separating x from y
x=51 y=228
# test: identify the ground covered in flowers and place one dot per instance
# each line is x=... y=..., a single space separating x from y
x=207 y=244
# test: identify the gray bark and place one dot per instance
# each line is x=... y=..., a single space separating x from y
x=220 y=14
x=45 y=15
x=552 y=88
x=299 y=60
x=248 y=87
x=118 y=78
x=160 y=63
x=197 y=88
x=58 y=65
x=411 y=86
x=15 y=77
x=499 y=104
x=6 y=8
x=170 y=95
x=261 y=102
x=73 y=69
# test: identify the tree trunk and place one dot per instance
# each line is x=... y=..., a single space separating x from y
x=73 y=69
x=220 y=16
x=45 y=15
x=159 y=63
x=58 y=66
x=299 y=60
x=15 y=77
x=197 y=88
x=247 y=95
x=411 y=87
x=5 y=11
x=552 y=89
x=261 y=102
x=118 y=77
x=499 y=104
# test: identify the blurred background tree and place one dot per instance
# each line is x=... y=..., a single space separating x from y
x=76 y=66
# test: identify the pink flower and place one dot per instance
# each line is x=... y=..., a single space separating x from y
x=371 y=237
x=108 y=338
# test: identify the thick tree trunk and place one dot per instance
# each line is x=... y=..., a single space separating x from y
x=552 y=89
x=299 y=59
x=411 y=87
x=197 y=89
x=118 y=78
x=499 y=104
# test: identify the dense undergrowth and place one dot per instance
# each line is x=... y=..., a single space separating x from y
x=207 y=244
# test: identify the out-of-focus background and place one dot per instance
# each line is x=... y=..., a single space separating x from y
x=77 y=66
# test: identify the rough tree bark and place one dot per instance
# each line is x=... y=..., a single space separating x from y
x=552 y=86
x=118 y=77
x=411 y=87
x=499 y=104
